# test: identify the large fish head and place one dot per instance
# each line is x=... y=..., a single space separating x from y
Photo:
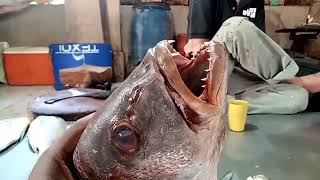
x=166 y=120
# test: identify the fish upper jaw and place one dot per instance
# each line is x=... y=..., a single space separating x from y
x=198 y=111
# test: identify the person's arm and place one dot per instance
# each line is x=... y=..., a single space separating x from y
x=201 y=25
x=201 y=19
x=259 y=21
x=310 y=82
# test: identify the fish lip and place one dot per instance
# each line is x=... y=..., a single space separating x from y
x=210 y=102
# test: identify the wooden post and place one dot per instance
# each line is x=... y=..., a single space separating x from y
x=83 y=20
x=113 y=25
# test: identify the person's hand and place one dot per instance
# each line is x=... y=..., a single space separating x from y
x=310 y=82
x=56 y=162
x=193 y=47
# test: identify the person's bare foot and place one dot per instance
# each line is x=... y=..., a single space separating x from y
x=310 y=82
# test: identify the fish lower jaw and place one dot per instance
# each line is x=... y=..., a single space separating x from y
x=197 y=110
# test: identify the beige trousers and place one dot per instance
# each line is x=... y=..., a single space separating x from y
x=264 y=64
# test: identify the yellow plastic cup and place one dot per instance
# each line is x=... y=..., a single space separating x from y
x=238 y=110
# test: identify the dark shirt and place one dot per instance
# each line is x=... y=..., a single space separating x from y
x=207 y=16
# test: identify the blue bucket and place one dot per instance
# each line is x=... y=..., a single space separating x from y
x=73 y=55
x=151 y=23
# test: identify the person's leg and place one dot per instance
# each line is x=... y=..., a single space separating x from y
x=275 y=99
x=256 y=52
x=260 y=55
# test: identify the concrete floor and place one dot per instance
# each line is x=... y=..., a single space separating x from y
x=14 y=99
x=281 y=147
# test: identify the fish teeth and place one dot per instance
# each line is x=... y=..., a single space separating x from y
x=204 y=86
x=205 y=44
x=175 y=54
x=204 y=79
x=207 y=70
x=310 y=20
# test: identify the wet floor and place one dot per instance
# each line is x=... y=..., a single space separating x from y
x=281 y=147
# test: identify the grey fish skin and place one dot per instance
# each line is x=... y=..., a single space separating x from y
x=157 y=125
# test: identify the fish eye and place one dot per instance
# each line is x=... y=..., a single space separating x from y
x=124 y=137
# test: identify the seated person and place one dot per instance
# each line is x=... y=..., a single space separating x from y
x=261 y=72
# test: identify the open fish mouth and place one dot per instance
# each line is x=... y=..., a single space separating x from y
x=196 y=86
